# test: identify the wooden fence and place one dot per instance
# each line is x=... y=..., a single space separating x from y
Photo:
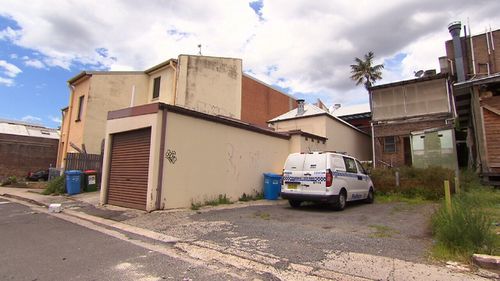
x=80 y=161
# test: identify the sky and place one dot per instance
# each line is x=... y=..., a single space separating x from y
x=303 y=47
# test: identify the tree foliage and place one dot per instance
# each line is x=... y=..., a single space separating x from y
x=364 y=72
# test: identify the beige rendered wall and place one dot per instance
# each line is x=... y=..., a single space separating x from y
x=213 y=159
x=167 y=86
x=75 y=129
x=129 y=124
x=210 y=84
x=62 y=139
x=343 y=138
x=109 y=92
x=300 y=143
x=314 y=125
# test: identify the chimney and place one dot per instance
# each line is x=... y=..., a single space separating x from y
x=300 y=107
x=444 y=65
x=454 y=29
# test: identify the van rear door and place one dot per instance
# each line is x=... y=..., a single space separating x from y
x=305 y=173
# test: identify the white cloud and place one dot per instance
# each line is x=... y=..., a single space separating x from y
x=6 y=81
x=13 y=56
x=9 y=69
x=306 y=46
x=55 y=119
x=30 y=118
x=34 y=63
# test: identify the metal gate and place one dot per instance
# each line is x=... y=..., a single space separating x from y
x=128 y=175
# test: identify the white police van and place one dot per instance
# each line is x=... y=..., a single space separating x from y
x=328 y=177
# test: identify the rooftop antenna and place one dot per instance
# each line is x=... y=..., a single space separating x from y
x=419 y=73
x=199 y=47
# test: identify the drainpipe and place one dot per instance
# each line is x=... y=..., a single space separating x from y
x=163 y=130
x=174 y=85
x=373 y=145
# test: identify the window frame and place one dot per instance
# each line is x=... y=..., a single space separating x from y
x=388 y=144
x=80 y=108
x=347 y=168
x=156 y=87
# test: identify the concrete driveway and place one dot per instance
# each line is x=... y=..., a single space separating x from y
x=307 y=234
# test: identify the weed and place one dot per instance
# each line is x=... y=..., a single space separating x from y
x=10 y=180
x=220 y=200
x=263 y=215
x=251 y=197
x=195 y=206
x=55 y=186
x=414 y=182
x=382 y=231
x=469 y=227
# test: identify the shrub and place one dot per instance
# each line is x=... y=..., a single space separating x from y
x=468 y=228
x=55 y=186
x=413 y=182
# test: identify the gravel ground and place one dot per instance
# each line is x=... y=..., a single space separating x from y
x=306 y=235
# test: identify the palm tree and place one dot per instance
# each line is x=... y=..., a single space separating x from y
x=364 y=72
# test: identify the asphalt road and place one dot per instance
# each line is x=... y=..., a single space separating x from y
x=38 y=246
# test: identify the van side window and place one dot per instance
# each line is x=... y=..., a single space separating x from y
x=350 y=165
x=337 y=163
x=361 y=169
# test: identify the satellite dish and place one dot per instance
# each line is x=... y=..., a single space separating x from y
x=419 y=73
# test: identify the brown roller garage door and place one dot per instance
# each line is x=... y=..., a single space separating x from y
x=128 y=175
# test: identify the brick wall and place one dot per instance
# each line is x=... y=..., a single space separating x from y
x=480 y=53
x=22 y=154
x=260 y=103
x=400 y=130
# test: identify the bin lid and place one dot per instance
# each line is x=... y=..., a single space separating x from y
x=73 y=172
x=90 y=171
x=271 y=175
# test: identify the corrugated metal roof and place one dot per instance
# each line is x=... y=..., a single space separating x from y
x=20 y=128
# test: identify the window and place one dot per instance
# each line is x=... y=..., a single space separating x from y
x=156 y=87
x=350 y=165
x=360 y=167
x=80 y=108
x=390 y=144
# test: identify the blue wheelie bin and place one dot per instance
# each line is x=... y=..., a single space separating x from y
x=73 y=181
x=272 y=186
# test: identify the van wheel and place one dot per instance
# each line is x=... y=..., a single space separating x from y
x=341 y=202
x=295 y=203
x=371 y=196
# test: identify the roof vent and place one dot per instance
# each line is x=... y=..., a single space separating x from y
x=300 y=107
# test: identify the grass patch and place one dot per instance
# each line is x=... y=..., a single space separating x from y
x=470 y=227
x=382 y=231
x=56 y=186
x=263 y=215
x=220 y=200
x=391 y=197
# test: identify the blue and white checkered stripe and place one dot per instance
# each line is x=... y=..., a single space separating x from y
x=287 y=178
